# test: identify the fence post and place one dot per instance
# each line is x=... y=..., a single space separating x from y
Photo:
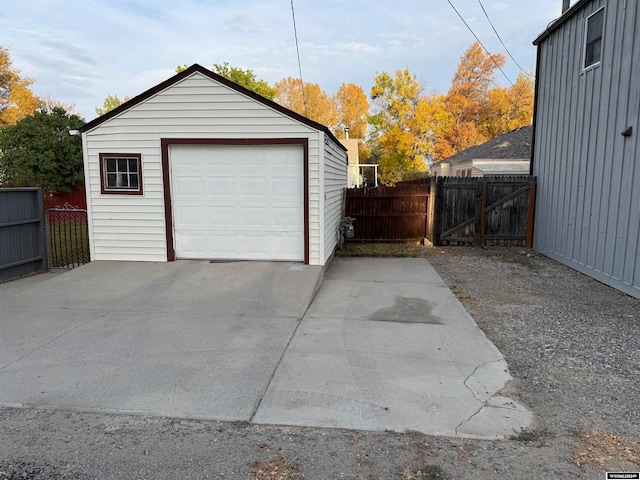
x=437 y=210
x=531 y=213
x=482 y=214
x=44 y=243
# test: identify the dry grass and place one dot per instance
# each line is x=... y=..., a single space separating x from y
x=461 y=294
x=412 y=249
x=606 y=450
x=278 y=468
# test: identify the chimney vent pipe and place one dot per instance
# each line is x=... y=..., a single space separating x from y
x=565 y=5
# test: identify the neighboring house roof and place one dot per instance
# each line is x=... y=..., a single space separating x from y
x=513 y=145
x=502 y=167
x=554 y=25
x=214 y=76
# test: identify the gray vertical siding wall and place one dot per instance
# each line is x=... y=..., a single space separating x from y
x=588 y=198
x=23 y=245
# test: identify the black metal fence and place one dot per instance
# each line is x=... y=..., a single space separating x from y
x=68 y=236
x=23 y=245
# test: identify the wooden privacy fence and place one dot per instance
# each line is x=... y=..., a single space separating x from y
x=23 y=245
x=485 y=210
x=447 y=211
x=389 y=214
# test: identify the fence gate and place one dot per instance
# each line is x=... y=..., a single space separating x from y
x=68 y=238
x=486 y=210
x=459 y=201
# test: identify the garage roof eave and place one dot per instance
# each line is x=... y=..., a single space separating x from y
x=218 y=78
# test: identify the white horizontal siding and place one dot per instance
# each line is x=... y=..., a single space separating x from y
x=335 y=181
x=132 y=227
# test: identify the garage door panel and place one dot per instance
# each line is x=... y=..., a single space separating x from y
x=254 y=245
x=222 y=216
x=283 y=246
x=222 y=186
x=252 y=216
x=285 y=217
x=238 y=202
x=252 y=186
x=285 y=186
x=189 y=185
x=190 y=215
x=192 y=245
x=222 y=246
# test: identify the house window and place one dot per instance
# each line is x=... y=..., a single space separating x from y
x=121 y=173
x=593 y=38
x=468 y=172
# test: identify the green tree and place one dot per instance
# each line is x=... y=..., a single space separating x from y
x=111 y=102
x=38 y=151
x=245 y=78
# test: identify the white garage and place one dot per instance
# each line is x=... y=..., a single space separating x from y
x=201 y=168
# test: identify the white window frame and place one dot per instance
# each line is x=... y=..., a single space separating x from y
x=586 y=33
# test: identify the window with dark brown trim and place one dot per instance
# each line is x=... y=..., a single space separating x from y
x=121 y=173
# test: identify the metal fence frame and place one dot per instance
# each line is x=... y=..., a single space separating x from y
x=68 y=237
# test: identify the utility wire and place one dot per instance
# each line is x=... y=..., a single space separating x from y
x=295 y=33
x=505 y=47
x=473 y=33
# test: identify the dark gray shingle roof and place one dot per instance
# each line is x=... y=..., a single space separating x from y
x=515 y=144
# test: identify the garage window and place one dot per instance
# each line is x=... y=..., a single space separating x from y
x=121 y=173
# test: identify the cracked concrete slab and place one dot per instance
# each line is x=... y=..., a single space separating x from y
x=386 y=345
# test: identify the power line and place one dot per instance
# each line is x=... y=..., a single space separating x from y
x=483 y=47
x=505 y=47
x=295 y=33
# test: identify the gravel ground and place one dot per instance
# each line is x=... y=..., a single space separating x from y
x=571 y=343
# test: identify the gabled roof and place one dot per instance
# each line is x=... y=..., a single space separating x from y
x=214 y=76
x=555 y=24
x=513 y=145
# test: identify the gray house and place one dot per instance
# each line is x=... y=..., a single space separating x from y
x=507 y=154
x=586 y=147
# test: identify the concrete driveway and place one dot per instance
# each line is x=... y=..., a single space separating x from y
x=186 y=338
x=385 y=345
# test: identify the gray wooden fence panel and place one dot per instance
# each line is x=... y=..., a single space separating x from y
x=23 y=245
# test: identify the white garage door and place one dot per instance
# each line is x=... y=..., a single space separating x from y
x=238 y=202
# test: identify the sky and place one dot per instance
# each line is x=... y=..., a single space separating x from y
x=79 y=51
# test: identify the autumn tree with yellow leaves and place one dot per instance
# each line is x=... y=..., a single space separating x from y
x=314 y=104
x=406 y=125
x=410 y=129
x=353 y=107
x=482 y=110
x=16 y=98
